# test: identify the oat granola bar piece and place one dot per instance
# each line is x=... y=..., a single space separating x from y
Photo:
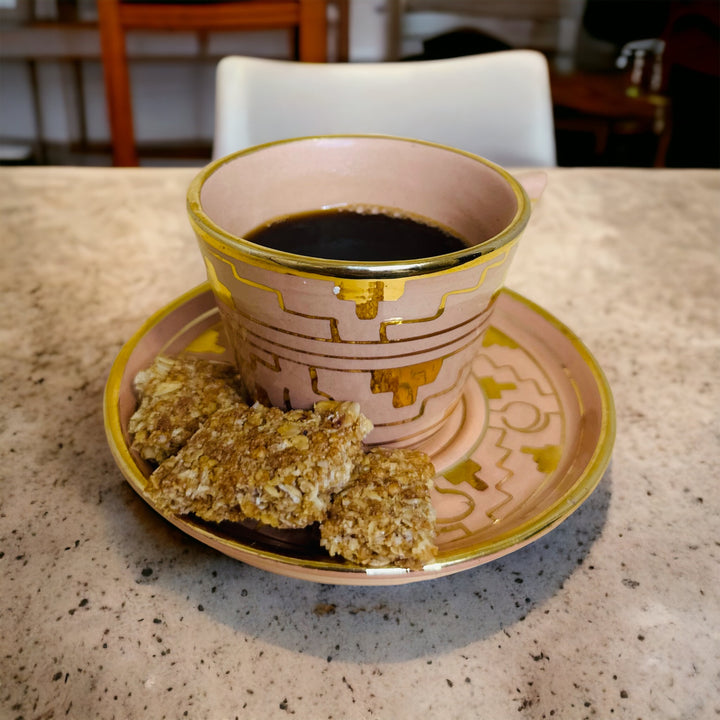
x=385 y=516
x=176 y=396
x=280 y=468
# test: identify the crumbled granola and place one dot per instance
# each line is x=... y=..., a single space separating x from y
x=385 y=516
x=224 y=461
x=280 y=468
x=176 y=396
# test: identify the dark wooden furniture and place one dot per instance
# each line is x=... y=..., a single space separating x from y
x=604 y=106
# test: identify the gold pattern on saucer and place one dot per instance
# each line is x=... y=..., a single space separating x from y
x=208 y=342
x=547 y=458
x=523 y=405
x=466 y=472
x=493 y=336
x=512 y=463
x=454 y=524
x=492 y=388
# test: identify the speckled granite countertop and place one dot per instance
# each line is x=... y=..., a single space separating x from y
x=107 y=611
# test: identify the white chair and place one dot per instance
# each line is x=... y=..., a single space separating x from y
x=497 y=105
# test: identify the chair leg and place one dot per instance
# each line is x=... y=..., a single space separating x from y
x=312 y=42
x=312 y=47
x=117 y=84
x=343 y=40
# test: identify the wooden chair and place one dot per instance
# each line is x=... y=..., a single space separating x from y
x=305 y=17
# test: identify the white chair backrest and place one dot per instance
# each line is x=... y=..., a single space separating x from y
x=497 y=105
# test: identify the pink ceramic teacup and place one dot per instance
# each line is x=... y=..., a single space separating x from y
x=396 y=336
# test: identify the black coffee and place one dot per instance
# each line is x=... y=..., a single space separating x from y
x=342 y=234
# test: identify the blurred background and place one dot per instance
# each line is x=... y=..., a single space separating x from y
x=634 y=82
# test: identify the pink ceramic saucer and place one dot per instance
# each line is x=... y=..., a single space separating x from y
x=525 y=447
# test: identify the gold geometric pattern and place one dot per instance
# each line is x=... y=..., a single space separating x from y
x=214 y=281
x=547 y=458
x=208 y=342
x=443 y=301
x=493 y=336
x=466 y=471
x=221 y=291
x=403 y=382
x=293 y=326
x=314 y=383
x=366 y=294
x=521 y=448
x=273 y=364
x=492 y=388
x=513 y=474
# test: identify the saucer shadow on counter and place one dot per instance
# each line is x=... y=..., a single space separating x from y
x=366 y=624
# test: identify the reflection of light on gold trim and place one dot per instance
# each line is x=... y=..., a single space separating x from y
x=443 y=301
